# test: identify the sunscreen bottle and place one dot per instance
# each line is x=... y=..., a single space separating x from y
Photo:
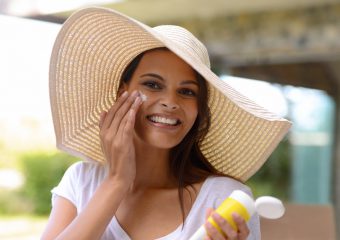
x=241 y=203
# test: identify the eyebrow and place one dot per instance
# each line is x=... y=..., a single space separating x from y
x=162 y=79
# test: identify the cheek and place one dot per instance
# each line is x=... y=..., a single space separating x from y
x=192 y=112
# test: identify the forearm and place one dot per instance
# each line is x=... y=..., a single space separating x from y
x=93 y=220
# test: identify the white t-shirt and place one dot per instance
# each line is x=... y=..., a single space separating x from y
x=81 y=180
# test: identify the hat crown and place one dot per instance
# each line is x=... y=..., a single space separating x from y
x=185 y=39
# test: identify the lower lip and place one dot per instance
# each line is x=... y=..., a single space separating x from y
x=163 y=126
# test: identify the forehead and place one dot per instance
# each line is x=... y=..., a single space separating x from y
x=163 y=61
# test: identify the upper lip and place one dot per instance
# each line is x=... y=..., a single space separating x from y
x=165 y=116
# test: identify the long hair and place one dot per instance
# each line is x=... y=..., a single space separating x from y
x=187 y=163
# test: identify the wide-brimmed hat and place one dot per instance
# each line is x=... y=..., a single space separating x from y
x=89 y=56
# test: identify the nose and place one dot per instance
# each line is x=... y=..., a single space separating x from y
x=170 y=106
x=169 y=102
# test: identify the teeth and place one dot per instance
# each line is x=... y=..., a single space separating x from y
x=163 y=120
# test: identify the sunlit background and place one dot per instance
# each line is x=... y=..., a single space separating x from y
x=301 y=171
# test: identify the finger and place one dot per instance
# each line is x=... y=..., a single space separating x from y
x=225 y=226
x=121 y=113
x=129 y=120
x=112 y=111
x=208 y=212
x=212 y=232
x=241 y=225
x=101 y=119
x=127 y=132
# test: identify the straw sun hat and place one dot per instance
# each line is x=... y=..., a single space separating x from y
x=88 y=58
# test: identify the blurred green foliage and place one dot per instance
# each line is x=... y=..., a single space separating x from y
x=42 y=172
x=13 y=202
x=274 y=176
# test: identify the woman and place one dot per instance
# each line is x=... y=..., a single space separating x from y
x=160 y=159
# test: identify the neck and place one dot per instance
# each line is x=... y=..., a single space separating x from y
x=152 y=168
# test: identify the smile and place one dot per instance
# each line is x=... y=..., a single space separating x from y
x=164 y=120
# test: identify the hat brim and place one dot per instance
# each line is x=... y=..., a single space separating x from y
x=90 y=53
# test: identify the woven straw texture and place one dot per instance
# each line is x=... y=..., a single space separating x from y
x=90 y=53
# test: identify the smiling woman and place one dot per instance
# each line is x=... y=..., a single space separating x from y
x=155 y=167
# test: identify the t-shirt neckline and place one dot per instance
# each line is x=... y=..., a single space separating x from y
x=124 y=236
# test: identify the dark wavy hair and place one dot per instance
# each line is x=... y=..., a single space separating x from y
x=187 y=163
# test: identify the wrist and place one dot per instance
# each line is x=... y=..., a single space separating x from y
x=117 y=184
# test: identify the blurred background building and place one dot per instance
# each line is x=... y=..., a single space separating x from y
x=293 y=46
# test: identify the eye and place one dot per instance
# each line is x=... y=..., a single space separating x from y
x=152 y=85
x=187 y=92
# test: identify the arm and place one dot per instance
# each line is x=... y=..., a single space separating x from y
x=62 y=214
x=116 y=135
x=89 y=224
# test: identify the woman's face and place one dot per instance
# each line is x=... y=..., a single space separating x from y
x=171 y=89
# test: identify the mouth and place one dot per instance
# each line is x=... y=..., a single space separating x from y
x=164 y=120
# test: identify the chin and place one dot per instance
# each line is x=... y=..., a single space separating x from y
x=159 y=141
x=165 y=145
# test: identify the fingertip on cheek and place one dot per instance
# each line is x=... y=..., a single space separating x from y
x=142 y=96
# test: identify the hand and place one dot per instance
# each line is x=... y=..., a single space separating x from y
x=228 y=231
x=116 y=136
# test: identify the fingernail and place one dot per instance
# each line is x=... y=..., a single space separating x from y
x=208 y=225
x=134 y=93
x=236 y=217
x=125 y=93
x=216 y=215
